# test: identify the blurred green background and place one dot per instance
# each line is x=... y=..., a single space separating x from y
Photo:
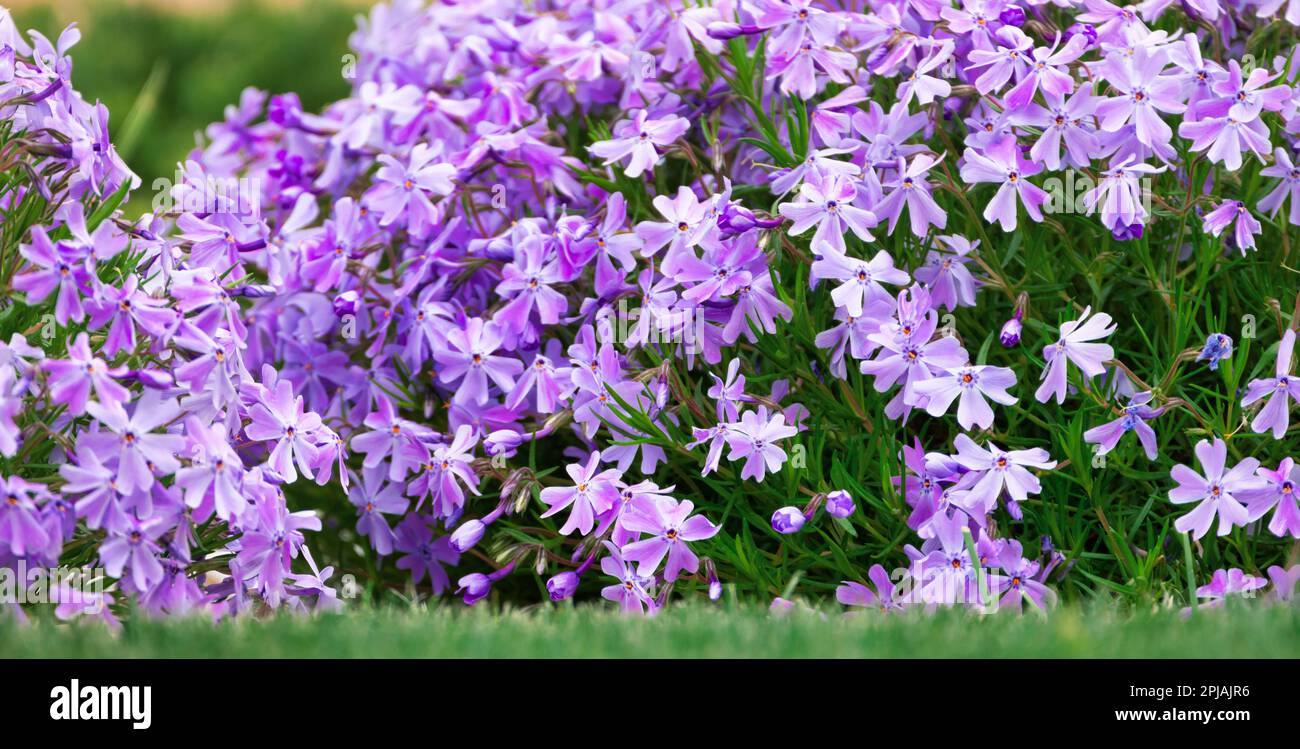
x=167 y=69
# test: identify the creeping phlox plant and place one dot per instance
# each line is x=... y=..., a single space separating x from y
x=637 y=298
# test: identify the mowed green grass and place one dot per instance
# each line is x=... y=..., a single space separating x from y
x=682 y=632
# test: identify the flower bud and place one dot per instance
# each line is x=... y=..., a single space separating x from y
x=475 y=586
x=347 y=303
x=788 y=520
x=1012 y=16
x=562 y=585
x=1010 y=335
x=467 y=535
x=839 y=503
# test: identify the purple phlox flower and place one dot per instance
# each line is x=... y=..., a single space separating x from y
x=856 y=594
x=1044 y=69
x=945 y=574
x=614 y=247
x=817 y=165
x=945 y=273
x=128 y=307
x=1144 y=93
x=655 y=314
x=1065 y=122
x=754 y=438
x=1247 y=94
x=281 y=417
x=1121 y=196
x=213 y=480
x=633 y=592
x=139 y=452
x=831 y=118
x=972 y=384
x=725 y=267
x=861 y=280
x=1284 y=581
x=1216 y=491
x=423 y=555
x=21 y=530
x=374 y=497
x=72 y=379
x=1285 y=169
x=314 y=584
x=1281 y=491
x=1010 y=57
x=59 y=267
x=638 y=137
x=976 y=20
x=911 y=358
x=135 y=549
x=587 y=58
x=476 y=586
x=470 y=354
x=716 y=436
x=828 y=204
x=1218 y=346
x=526 y=284
x=671 y=528
x=391 y=437
x=925 y=87
x=1281 y=389
x=1000 y=470
x=910 y=188
x=798 y=69
x=100 y=505
x=1233 y=213
x=683 y=229
x=1003 y=164
x=267 y=549
x=449 y=472
x=1018 y=582
x=1223 y=138
x=402 y=191
x=757 y=307
x=1134 y=419
x=630 y=496
x=1224 y=584
x=729 y=393
x=793 y=22
x=1074 y=345
x=594 y=492
x=551 y=383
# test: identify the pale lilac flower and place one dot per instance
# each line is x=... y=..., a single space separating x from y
x=911 y=189
x=729 y=393
x=920 y=84
x=828 y=204
x=637 y=137
x=139 y=450
x=1136 y=415
x=593 y=493
x=1075 y=345
x=945 y=273
x=972 y=384
x=21 y=529
x=1000 y=470
x=754 y=438
x=403 y=190
x=861 y=279
x=632 y=591
x=1216 y=491
x=1286 y=170
x=470 y=357
x=856 y=594
x=1004 y=165
x=1226 y=583
x=1233 y=213
x=1281 y=389
x=59 y=267
x=671 y=526
x=1144 y=94
x=282 y=418
x=1281 y=491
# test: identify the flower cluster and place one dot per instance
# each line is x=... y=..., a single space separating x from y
x=633 y=239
